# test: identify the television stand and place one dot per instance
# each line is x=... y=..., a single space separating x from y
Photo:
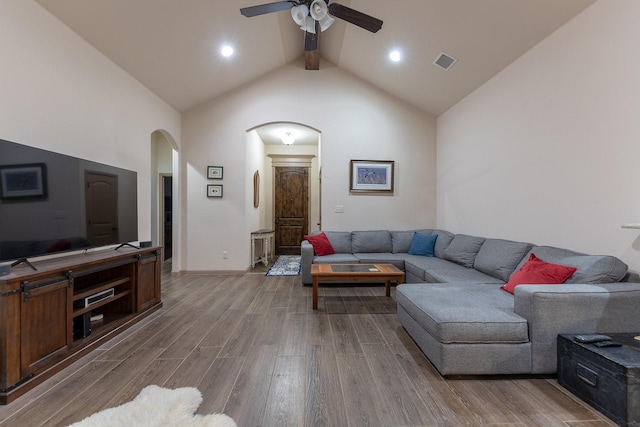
x=24 y=261
x=45 y=315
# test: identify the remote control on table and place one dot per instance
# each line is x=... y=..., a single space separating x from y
x=607 y=344
x=591 y=338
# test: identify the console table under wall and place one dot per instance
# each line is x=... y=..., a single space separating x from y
x=266 y=237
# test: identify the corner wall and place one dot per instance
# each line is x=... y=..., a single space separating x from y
x=357 y=121
x=60 y=94
x=548 y=150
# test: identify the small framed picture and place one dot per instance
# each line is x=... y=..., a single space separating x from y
x=214 y=190
x=214 y=172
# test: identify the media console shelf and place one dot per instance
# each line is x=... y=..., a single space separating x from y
x=45 y=321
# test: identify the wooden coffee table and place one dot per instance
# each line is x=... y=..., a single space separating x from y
x=354 y=273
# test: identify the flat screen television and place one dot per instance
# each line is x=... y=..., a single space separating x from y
x=51 y=203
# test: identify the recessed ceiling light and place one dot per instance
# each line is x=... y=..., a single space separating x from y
x=395 y=55
x=226 y=51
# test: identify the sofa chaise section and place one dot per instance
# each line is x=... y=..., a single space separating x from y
x=465 y=328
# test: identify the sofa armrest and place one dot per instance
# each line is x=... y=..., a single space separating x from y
x=306 y=251
x=575 y=308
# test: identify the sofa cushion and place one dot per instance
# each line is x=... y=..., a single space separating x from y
x=382 y=258
x=443 y=240
x=437 y=270
x=499 y=258
x=417 y=265
x=401 y=241
x=371 y=241
x=321 y=244
x=337 y=258
x=340 y=240
x=537 y=272
x=457 y=273
x=590 y=268
x=463 y=249
x=423 y=244
x=463 y=313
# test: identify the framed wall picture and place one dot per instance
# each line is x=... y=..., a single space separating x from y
x=214 y=190
x=371 y=176
x=26 y=181
x=256 y=189
x=214 y=172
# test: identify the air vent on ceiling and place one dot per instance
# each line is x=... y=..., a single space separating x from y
x=445 y=61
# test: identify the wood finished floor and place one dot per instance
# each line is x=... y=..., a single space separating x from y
x=258 y=352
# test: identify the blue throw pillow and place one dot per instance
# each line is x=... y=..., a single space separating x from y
x=423 y=244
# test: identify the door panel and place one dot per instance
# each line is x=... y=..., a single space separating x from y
x=44 y=308
x=291 y=208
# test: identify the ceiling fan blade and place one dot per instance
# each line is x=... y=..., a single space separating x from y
x=357 y=18
x=263 y=9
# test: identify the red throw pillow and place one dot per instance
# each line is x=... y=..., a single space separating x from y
x=537 y=272
x=61 y=245
x=321 y=244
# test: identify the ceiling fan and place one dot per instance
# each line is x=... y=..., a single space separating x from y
x=315 y=16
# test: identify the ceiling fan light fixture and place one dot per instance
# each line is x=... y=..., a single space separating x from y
x=299 y=14
x=318 y=10
x=326 y=22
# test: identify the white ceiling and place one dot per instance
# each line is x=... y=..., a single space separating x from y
x=172 y=46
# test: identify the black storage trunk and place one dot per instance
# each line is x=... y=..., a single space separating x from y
x=608 y=378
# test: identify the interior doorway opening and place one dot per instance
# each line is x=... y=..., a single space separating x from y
x=165 y=197
x=287 y=156
x=167 y=217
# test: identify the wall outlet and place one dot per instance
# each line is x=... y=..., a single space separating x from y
x=225 y=254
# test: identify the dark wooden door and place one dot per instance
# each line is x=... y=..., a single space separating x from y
x=291 y=208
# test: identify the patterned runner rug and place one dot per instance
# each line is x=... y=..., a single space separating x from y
x=285 y=265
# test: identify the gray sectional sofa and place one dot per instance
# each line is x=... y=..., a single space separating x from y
x=452 y=305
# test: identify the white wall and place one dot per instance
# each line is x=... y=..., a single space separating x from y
x=548 y=151
x=60 y=94
x=255 y=219
x=357 y=121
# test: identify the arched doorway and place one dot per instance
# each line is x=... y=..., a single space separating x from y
x=164 y=197
x=278 y=160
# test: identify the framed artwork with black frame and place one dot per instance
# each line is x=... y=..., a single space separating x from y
x=214 y=190
x=214 y=172
x=26 y=181
x=371 y=176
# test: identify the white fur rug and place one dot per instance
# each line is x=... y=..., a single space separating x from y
x=156 y=406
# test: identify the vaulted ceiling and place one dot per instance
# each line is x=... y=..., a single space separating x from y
x=172 y=46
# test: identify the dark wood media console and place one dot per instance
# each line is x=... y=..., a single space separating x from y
x=39 y=310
